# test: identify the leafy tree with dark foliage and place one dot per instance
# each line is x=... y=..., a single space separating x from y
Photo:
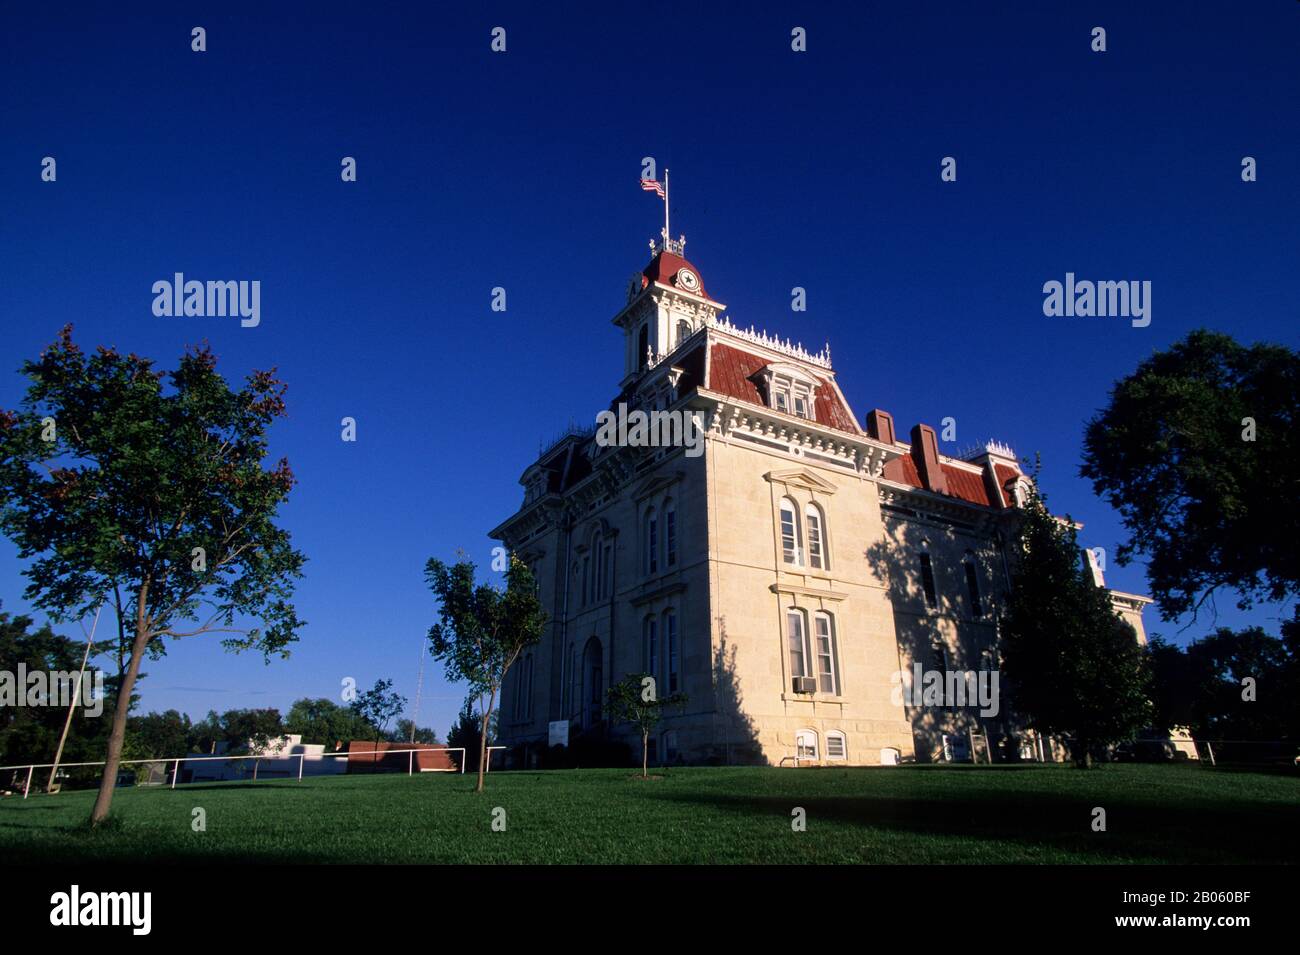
x=1203 y=686
x=407 y=732
x=31 y=733
x=207 y=733
x=146 y=490
x=159 y=735
x=326 y=722
x=252 y=730
x=1073 y=667
x=1199 y=451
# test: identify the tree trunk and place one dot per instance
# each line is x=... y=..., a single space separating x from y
x=120 y=710
x=482 y=740
x=645 y=753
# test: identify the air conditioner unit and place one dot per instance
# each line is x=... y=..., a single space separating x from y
x=805 y=684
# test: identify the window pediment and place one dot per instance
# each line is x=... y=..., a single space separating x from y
x=654 y=484
x=802 y=478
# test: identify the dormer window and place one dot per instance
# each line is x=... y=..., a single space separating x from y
x=791 y=396
x=789 y=389
x=1021 y=491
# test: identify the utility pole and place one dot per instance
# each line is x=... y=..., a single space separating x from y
x=76 y=697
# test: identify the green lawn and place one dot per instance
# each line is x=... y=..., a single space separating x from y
x=962 y=814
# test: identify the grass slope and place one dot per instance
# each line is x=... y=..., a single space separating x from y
x=952 y=815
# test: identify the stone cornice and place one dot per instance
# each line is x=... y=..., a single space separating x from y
x=928 y=502
x=729 y=416
x=1133 y=602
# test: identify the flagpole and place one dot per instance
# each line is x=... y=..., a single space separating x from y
x=667 y=233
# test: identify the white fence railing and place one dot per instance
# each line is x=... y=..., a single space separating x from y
x=376 y=756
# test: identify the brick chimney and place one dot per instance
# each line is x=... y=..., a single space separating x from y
x=925 y=452
x=880 y=425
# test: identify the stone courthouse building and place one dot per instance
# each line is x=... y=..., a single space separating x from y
x=784 y=578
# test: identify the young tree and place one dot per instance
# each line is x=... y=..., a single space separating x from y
x=377 y=706
x=634 y=700
x=481 y=631
x=1074 y=667
x=154 y=498
x=1199 y=451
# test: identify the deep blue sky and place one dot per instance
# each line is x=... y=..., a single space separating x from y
x=519 y=170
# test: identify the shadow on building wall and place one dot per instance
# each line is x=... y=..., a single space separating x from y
x=946 y=636
x=735 y=741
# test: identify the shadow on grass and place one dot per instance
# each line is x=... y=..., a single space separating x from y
x=1195 y=832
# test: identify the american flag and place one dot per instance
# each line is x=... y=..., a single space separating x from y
x=653 y=185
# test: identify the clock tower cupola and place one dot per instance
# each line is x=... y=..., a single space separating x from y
x=666 y=304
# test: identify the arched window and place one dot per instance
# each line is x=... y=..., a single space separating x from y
x=836 y=746
x=805 y=745
x=650 y=640
x=927 y=581
x=642 y=346
x=672 y=654
x=683 y=330
x=670 y=533
x=828 y=669
x=816 y=538
x=651 y=541
x=791 y=552
x=973 y=585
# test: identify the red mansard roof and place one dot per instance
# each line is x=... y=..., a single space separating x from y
x=1005 y=474
x=961 y=484
x=731 y=372
x=967 y=486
